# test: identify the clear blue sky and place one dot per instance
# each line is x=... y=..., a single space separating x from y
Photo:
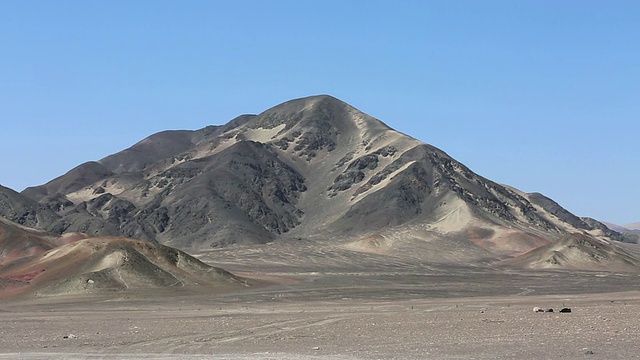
x=540 y=95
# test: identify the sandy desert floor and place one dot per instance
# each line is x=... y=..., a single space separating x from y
x=342 y=306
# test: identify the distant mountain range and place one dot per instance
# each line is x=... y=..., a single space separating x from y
x=314 y=168
x=633 y=227
x=628 y=228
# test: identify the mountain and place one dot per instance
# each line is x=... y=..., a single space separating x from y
x=629 y=232
x=34 y=262
x=615 y=227
x=314 y=168
x=633 y=227
x=602 y=229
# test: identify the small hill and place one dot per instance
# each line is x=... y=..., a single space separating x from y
x=35 y=262
x=577 y=252
x=17 y=241
x=107 y=264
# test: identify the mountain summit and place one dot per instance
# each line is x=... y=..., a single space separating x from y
x=312 y=168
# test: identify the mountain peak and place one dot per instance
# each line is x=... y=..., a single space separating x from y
x=314 y=108
x=313 y=100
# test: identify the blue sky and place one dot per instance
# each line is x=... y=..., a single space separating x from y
x=540 y=95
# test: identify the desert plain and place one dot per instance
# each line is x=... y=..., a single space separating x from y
x=332 y=303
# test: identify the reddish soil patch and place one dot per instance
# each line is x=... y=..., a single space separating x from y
x=26 y=278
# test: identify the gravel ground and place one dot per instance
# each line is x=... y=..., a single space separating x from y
x=600 y=326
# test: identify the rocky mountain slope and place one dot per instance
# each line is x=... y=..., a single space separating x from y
x=25 y=211
x=313 y=168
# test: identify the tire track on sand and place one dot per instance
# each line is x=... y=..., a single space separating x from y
x=208 y=339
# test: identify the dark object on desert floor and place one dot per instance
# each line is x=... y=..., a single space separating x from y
x=565 y=310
